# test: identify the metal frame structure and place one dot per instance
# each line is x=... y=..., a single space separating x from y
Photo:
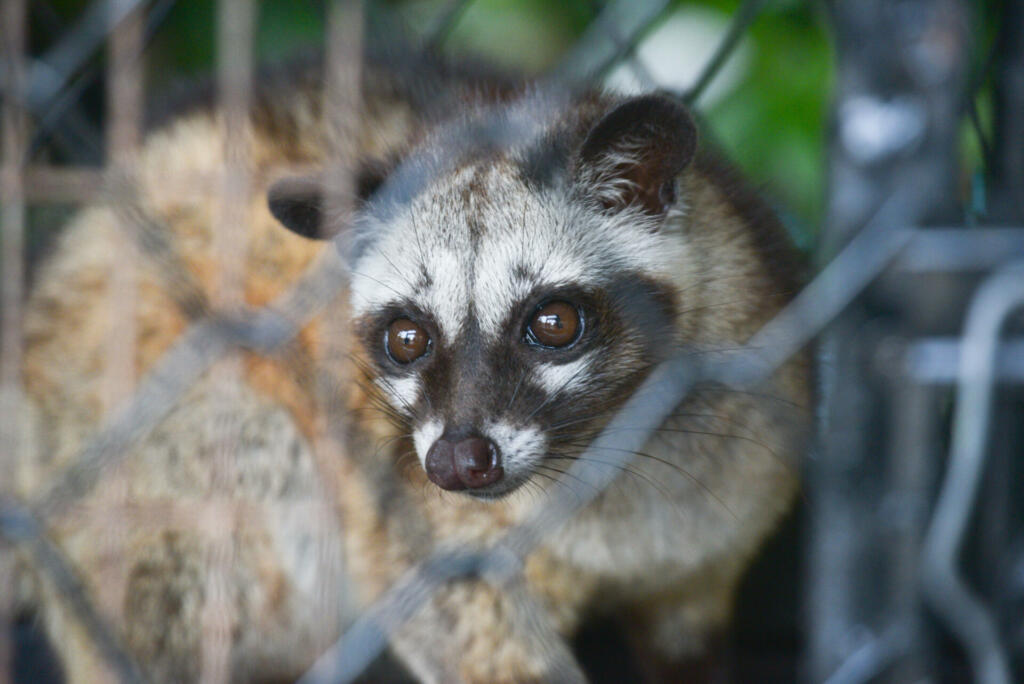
x=889 y=517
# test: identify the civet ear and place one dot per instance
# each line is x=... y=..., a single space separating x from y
x=298 y=202
x=632 y=156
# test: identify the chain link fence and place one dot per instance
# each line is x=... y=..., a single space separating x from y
x=914 y=550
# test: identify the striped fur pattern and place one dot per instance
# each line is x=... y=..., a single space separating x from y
x=597 y=201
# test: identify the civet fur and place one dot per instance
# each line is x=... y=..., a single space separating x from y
x=491 y=197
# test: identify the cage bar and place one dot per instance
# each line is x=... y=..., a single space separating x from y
x=909 y=168
x=12 y=240
x=868 y=485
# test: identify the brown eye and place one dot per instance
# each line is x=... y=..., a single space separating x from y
x=554 y=325
x=406 y=341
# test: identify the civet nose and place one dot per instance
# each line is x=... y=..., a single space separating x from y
x=477 y=462
x=472 y=462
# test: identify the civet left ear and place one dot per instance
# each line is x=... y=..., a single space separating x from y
x=298 y=202
x=632 y=156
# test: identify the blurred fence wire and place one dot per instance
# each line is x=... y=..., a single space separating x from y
x=899 y=101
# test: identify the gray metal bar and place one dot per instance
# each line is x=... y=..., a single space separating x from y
x=901 y=71
x=12 y=231
x=342 y=114
x=54 y=117
x=52 y=72
x=972 y=623
x=12 y=240
x=124 y=133
x=235 y=28
x=602 y=45
x=961 y=249
x=936 y=360
x=19 y=526
x=741 y=20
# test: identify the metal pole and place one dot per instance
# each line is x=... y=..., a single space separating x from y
x=894 y=120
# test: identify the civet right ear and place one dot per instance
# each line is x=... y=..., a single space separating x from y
x=633 y=154
x=299 y=203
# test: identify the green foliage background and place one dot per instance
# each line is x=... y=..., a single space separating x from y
x=772 y=124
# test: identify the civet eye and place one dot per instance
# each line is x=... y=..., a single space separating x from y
x=406 y=341
x=555 y=324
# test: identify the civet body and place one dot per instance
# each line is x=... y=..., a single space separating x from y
x=526 y=260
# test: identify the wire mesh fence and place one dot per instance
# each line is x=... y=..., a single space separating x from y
x=904 y=314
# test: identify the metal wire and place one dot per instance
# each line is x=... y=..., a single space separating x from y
x=60 y=115
x=935 y=360
x=885 y=244
x=52 y=72
x=24 y=530
x=12 y=240
x=996 y=299
x=611 y=36
x=823 y=299
x=741 y=21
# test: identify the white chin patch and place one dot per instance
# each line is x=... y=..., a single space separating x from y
x=424 y=437
x=521 y=448
x=554 y=378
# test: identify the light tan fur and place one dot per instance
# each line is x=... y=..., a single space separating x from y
x=670 y=570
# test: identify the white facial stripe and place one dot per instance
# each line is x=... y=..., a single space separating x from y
x=556 y=243
x=521 y=448
x=525 y=241
x=564 y=377
x=424 y=437
x=448 y=296
x=524 y=247
x=403 y=392
x=378 y=279
x=498 y=289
